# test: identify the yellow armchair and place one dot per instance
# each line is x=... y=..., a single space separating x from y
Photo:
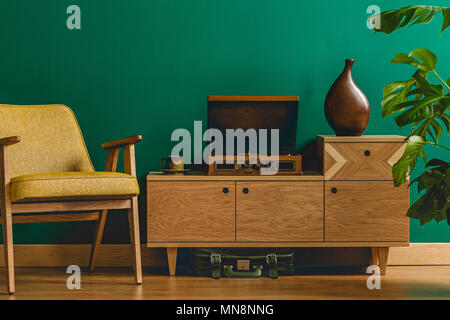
x=46 y=175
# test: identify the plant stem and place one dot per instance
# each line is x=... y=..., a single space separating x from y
x=442 y=80
x=438 y=145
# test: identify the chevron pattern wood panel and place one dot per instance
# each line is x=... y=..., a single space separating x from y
x=360 y=161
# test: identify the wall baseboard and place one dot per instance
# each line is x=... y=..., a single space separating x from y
x=420 y=254
x=115 y=255
x=63 y=255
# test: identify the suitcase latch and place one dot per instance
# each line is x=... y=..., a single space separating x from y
x=243 y=265
x=271 y=259
x=216 y=259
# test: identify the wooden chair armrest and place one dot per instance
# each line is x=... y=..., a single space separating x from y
x=113 y=148
x=122 y=142
x=9 y=141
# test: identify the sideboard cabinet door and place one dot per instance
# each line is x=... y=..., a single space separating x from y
x=366 y=211
x=279 y=211
x=199 y=211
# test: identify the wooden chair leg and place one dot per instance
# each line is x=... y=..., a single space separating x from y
x=6 y=213
x=383 y=254
x=133 y=219
x=97 y=239
x=110 y=166
x=8 y=248
x=133 y=214
x=172 y=260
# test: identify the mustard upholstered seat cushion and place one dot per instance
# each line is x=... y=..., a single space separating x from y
x=73 y=186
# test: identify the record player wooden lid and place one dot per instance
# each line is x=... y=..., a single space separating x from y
x=253 y=98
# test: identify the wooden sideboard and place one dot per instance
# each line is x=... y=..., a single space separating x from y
x=351 y=203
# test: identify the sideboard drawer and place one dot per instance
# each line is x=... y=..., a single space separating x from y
x=366 y=211
x=360 y=161
x=279 y=211
x=191 y=211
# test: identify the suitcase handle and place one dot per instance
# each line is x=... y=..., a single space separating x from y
x=229 y=273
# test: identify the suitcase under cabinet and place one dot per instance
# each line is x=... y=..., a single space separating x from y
x=351 y=203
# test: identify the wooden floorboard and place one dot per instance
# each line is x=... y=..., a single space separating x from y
x=429 y=282
x=119 y=255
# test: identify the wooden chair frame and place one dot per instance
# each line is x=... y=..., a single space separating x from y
x=81 y=210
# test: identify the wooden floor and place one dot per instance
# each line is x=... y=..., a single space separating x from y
x=428 y=282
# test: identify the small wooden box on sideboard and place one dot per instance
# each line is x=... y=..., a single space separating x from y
x=351 y=203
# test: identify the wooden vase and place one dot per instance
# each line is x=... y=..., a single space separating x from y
x=346 y=107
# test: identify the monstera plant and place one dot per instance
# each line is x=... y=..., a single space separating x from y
x=422 y=103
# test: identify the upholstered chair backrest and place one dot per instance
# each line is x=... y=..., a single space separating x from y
x=51 y=140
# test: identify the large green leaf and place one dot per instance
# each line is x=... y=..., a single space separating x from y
x=426 y=181
x=408 y=17
x=435 y=201
x=428 y=90
x=394 y=86
x=442 y=214
x=420 y=111
x=424 y=14
x=446 y=14
x=422 y=128
x=392 y=20
x=422 y=209
x=408 y=160
x=429 y=59
x=392 y=101
x=438 y=130
x=389 y=21
x=416 y=101
x=407 y=59
x=446 y=120
x=421 y=78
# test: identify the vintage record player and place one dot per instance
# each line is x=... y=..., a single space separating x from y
x=241 y=165
x=256 y=112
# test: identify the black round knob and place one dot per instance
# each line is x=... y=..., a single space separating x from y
x=225 y=190
x=333 y=190
x=245 y=190
x=367 y=153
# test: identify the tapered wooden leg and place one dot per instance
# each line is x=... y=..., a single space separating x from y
x=383 y=254
x=6 y=213
x=110 y=166
x=97 y=239
x=8 y=248
x=133 y=219
x=172 y=260
x=374 y=258
x=133 y=214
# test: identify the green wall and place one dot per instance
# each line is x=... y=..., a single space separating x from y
x=146 y=66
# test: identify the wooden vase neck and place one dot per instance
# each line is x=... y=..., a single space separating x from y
x=348 y=67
